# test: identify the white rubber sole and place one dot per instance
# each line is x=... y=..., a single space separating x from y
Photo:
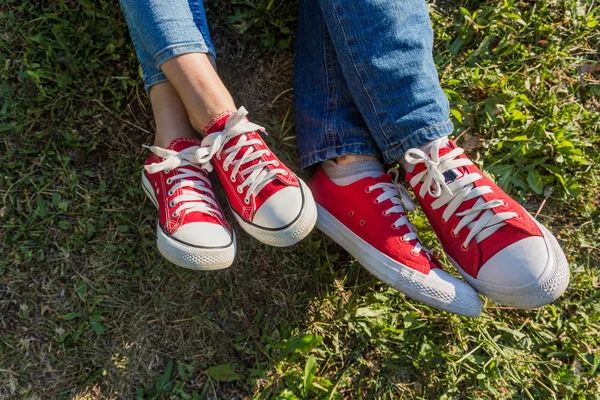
x=438 y=289
x=187 y=256
x=548 y=287
x=290 y=234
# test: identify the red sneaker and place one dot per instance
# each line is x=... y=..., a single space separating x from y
x=267 y=199
x=192 y=232
x=499 y=248
x=368 y=220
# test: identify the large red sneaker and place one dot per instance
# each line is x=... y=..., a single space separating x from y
x=267 y=199
x=498 y=247
x=192 y=231
x=368 y=220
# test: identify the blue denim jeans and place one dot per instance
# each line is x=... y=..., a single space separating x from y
x=163 y=29
x=365 y=81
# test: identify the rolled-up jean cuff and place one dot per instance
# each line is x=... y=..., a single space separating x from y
x=416 y=139
x=174 y=51
x=153 y=80
x=181 y=48
x=329 y=153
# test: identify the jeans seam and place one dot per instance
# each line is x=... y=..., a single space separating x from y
x=416 y=133
x=194 y=6
x=356 y=69
x=331 y=108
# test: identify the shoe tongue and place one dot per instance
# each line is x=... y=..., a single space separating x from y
x=450 y=175
x=384 y=178
x=455 y=173
x=183 y=143
x=217 y=124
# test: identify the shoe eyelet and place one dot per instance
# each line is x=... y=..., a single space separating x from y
x=403 y=240
x=170 y=193
x=385 y=214
x=395 y=227
x=362 y=223
x=351 y=214
x=454 y=235
x=463 y=248
x=368 y=190
x=218 y=156
x=276 y=163
x=414 y=253
x=284 y=172
x=232 y=179
x=171 y=204
x=268 y=153
x=175 y=215
x=247 y=201
x=375 y=201
x=225 y=169
x=169 y=181
x=167 y=171
x=240 y=190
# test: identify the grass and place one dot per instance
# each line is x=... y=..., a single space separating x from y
x=89 y=309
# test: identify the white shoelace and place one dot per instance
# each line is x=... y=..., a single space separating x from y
x=256 y=176
x=455 y=193
x=401 y=199
x=190 y=200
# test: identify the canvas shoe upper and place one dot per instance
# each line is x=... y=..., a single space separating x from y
x=498 y=247
x=192 y=231
x=368 y=219
x=267 y=198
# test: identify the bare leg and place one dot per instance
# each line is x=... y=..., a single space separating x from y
x=172 y=121
x=199 y=86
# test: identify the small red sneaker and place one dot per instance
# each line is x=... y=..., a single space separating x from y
x=499 y=248
x=192 y=232
x=368 y=220
x=267 y=199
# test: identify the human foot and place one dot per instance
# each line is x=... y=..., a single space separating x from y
x=367 y=218
x=267 y=199
x=192 y=231
x=498 y=247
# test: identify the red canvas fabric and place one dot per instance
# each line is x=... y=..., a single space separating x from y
x=356 y=207
x=236 y=200
x=161 y=189
x=476 y=254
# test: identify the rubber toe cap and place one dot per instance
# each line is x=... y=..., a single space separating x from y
x=281 y=209
x=203 y=234
x=520 y=264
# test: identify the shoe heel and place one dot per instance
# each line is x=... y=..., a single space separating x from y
x=147 y=186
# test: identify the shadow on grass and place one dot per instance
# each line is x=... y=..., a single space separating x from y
x=89 y=309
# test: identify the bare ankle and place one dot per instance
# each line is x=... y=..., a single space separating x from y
x=198 y=124
x=164 y=138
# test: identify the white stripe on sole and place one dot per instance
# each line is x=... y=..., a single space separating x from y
x=438 y=289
